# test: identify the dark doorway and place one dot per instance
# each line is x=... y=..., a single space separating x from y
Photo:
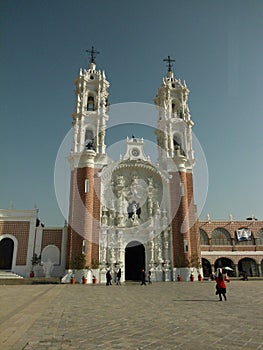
x=207 y=269
x=225 y=262
x=6 y=253
x=249 y=266
x=134 y=260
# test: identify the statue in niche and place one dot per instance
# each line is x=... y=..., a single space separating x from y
x=48 y=268
x=89 y=144
x=104 y=219
x=120 y=181
x=111 y=219
x=138 y=190
x=156 y=208
x=134 y=209
x=135 y=220
x=134 y=212
x=121 y=220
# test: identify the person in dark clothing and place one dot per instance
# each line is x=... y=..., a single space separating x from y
x=143 y=277
x=220 y=286
x=118 y=282
x=108 y=278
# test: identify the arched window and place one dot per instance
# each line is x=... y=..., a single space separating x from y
x=181 y=114
x=177 y=143
x=52 y=253
x=203 y=237
x=89 y=139
x=90 y=103
x=249 y=240
x=221 y=236
x=260 y=236
x=173 y=107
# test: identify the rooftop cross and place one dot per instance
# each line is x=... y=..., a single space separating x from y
x=92 y=53
x=169 y=60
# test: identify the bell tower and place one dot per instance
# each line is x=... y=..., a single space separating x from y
x=176 y=156
x=87 y=157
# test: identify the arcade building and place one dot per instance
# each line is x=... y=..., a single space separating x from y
x=132 y=213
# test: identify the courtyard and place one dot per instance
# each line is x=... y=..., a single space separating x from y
x=172 y=315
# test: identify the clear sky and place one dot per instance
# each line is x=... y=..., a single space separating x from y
x=218 y=50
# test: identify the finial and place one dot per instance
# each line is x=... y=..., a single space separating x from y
x=169 y=60
x=93 y=54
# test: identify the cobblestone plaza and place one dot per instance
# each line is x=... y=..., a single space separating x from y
x=166 y=316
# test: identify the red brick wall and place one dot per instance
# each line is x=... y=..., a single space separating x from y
x=96 y=219
x=52 y=236
x=20 y=230
x=184 y=225
x=84 y=216
x=231 y=227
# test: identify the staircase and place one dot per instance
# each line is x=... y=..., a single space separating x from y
x=9 y=275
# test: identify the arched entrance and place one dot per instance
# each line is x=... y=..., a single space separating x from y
x=249 y=266
x=6 y=253
x=226 y=262
x=134 y=260
x=207 y=269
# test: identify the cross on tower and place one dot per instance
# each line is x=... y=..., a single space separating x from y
x=92 y=53
x=169 y=60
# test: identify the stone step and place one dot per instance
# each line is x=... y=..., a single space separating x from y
x=8 y=275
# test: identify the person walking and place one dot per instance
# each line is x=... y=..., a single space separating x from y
x=118 y=282
x=143 y=277
x=220 y=286
x=108 y=278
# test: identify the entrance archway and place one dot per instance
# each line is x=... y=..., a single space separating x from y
x=249 y=266
x=226 y=262
x=207 y=269
x=6 y=253
x=134 y=260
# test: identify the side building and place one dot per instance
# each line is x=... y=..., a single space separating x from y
x=26 y=246
x=232 y=243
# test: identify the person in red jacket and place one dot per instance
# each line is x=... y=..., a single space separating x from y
x=220 y=286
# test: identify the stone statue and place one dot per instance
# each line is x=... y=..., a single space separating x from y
x=48 y=268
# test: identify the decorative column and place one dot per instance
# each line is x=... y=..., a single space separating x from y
x=159 y=269
x=233 y=241
x=167 y=266
x=259 y=270
x=151 y=257
x=210 y=244
x=236 y=270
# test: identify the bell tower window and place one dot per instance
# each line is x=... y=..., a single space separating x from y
x=90 y=104
x=178 y=150
x=89 y=139
x=173 y=107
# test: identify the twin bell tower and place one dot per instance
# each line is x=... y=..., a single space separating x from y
x=132 y=213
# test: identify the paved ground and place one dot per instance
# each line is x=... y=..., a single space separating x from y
x=166 y=316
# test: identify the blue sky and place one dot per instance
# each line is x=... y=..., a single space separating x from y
x=218 y=50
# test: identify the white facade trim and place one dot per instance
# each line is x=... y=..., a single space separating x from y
x=224 y=253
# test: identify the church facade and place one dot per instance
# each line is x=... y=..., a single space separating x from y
x=132 y=213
